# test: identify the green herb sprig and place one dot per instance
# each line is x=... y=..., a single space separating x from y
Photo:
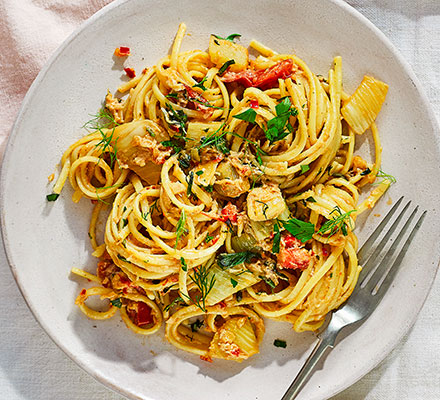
x=385 y=177
x=231 y=37
x=228 y=260
x=339 y=222
x=225 y=66
x=279 y=127
x=180 y=227
x=204 y=284
x=200 y=84
x=102 y=120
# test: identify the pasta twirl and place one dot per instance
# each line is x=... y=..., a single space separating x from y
x=232 y=191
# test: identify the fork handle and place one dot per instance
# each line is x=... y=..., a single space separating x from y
x=326 y=341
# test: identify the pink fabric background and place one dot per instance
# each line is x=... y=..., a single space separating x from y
x=30 y=31
x=31 y=366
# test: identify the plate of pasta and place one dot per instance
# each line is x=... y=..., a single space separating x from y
x=205 y=185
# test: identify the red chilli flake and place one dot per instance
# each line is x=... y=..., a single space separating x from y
x=254 y=104
x=83 y=292
x=122 y=51
x=235 y=352
x=130 y=72
x=206 y=358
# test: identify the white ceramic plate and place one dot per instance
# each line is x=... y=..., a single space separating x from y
x=44 y=240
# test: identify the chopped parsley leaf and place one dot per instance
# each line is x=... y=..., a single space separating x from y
x=231 y=37
x=280 y=343
x=249 y=115
x=116 y=302
x=225 y=66
x=52 y=196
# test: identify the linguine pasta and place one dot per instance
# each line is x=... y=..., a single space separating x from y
x=232 y=189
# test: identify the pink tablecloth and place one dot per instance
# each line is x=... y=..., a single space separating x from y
x=31 y=366
x=30 y=31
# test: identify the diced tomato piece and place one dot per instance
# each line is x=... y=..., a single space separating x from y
x=263 y=79
x=124 y=280
x=269 y=77
x=122 y=51
x=144 y=316
x=245 y=78
x=83 y=292
x=294 y=258
x=230 y=212
x=292 y=255
x=291 y=241
x=130 y=72
x=325 y=251
x=235 y=352
x=254 y=104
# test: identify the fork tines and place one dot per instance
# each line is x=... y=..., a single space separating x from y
x=381 y=261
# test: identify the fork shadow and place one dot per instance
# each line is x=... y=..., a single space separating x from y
x=113 y=341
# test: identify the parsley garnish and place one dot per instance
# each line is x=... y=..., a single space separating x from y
x=200 y=84
x=366 y=171
x=176 y=118
x=302 y=230
x=199 y=172
x=386 y=176
x=225 y=66
x=337 y=223
x=279 y=127
x=175 y=144
x=311 y=199
x=228 y=260
x=180 y=227
x=280 y=343
x=233 y=282
x=52 y=196
x=304 y=168
x=249 y=115
x=183 y=263
x=116 y=302
x=231 y=37
x=208 y=238
x=276 y=238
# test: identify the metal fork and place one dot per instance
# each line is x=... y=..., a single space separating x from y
x=375 y=278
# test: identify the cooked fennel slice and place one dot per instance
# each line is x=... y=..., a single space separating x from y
x=235 y=340
x=225 y=284
x=363 y=106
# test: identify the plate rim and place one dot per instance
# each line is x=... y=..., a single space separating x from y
x=103 y=379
